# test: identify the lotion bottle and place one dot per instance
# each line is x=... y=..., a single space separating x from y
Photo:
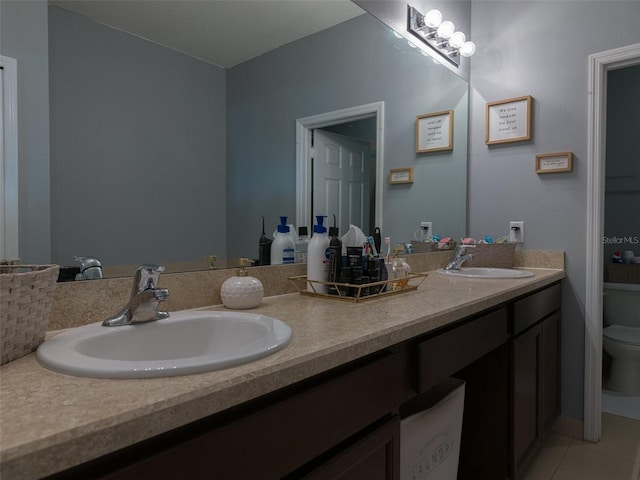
x=282 y=248
x=318 y=258
x=242 y=291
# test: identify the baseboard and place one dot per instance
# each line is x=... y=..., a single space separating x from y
x=569 y=426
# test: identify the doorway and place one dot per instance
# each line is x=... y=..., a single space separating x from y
x=343 y=174
x=8 y=158
x=304 y=155
x=599 y=65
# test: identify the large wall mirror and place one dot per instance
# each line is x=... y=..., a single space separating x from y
x=159 y=157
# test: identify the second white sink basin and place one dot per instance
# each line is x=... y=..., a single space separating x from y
x=186 y=342
x=482 y=272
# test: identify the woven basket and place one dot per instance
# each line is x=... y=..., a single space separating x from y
x=429 y=247
x=493 y=255
x=26 y=295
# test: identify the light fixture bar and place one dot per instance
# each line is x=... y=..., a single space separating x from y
x=440 y=35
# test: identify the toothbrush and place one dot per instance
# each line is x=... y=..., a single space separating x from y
x=372 y=244
x=387 y=242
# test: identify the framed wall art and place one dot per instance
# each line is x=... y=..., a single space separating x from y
x=554 y=162
x=400 y=175
x=508 y=120
x=434 y=132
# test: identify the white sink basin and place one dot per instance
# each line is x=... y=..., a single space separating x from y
x=481 y=272
x=186 y=342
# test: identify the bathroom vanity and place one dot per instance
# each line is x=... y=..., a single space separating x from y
x=327 y=406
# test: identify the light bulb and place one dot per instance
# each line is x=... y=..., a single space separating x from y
x=433 y=18
x=446 y=29
x=457 y=39
x=468 y=49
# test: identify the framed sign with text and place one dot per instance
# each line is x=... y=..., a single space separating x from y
x=434 y=132
x=400 y=175
x=508 y=120
x=554 y=162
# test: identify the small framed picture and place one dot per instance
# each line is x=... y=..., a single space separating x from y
x=508 y=120
x=554 y=162
x=434 y=132
x=401 y=175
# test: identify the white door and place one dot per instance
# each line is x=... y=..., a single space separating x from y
x=342 y=184
x=8 y=158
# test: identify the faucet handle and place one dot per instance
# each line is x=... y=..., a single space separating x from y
x=146 y=276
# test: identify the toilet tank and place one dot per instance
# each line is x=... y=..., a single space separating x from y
x=621 y=304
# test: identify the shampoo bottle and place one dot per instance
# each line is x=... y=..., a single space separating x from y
x=282 y=248
x=318 y=258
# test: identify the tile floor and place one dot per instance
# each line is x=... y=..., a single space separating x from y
x=615 y=457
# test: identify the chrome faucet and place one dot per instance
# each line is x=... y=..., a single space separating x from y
x=459 y=257
x=145 y=297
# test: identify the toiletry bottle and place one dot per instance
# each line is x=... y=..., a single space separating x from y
x=318 y=258
x=242 y=291
x=282 y=248
x=401 y=271
x=264 y=248
x=335 y=258
x=302 y=245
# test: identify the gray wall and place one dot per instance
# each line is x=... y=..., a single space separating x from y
x=138 y=154
x=354 y=63
x=540 y=49
x=23 y=36
x=622 y=184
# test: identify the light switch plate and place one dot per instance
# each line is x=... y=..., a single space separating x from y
x=516 y=232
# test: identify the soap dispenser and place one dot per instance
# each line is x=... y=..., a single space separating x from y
x=242 y=291
x=283 y=246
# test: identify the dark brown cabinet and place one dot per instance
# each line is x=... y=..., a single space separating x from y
x=376 y=456
x=345 y=423
x=535 y=374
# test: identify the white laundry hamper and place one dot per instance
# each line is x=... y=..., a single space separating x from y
x=431 y=431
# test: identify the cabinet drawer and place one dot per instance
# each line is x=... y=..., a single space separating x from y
x=443 y=355
x=283 y=436
x=535 y=307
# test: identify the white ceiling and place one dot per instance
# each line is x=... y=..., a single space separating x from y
x=222 y=32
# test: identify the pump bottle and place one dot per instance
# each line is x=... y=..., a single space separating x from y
x=242 y=291
x=282 y=248
x=318 y=258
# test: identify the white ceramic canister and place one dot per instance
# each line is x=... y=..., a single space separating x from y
x=242 y=291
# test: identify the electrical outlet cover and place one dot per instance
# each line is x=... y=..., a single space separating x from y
x=516 y=232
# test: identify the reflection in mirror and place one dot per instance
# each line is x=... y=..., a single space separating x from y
x=159 y=157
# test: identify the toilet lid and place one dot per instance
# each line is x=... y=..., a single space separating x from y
x=620 y=333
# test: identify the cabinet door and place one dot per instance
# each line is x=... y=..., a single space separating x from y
x=526 y=428
x=550 y=370
x=374 y=457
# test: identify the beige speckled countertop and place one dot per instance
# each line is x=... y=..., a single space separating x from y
x=50 y=422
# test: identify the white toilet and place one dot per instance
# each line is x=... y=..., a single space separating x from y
x=621 y=335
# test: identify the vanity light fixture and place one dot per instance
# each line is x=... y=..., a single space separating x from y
x=440 y=35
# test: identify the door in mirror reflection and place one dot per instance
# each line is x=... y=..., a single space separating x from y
x=343 y=168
